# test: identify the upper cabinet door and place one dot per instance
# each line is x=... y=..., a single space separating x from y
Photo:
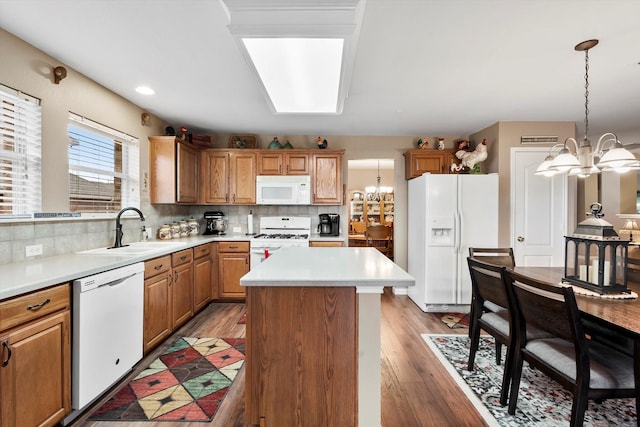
x=242 y=183
x=296 y=163
x=187 y=174
x=215 y=176
x=270 y=164
x=327 y=179
x=173 y=171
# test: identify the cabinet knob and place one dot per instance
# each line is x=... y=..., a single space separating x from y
x=520 y=239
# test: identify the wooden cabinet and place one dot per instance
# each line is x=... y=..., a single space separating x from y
x=302 y=346
x=182 y=284
x=417 y=162
x=173 y=171
x=35 y=348
x=202 y=275
x=168 y=296
x=325 y=244
x=229 y=177
x=242 y=180
x=327 y=178
x=215 y=177
x=157 y=301
x=233 y=263
x=289 y=162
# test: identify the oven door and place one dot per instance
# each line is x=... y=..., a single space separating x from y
x=259 y=254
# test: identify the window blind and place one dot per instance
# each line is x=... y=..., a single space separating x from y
x=20 y=153
x=103 y=167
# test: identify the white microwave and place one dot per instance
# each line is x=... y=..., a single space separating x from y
x=283 y=190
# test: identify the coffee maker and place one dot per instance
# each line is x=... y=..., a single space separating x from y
x=329 y=224
x=215 y=223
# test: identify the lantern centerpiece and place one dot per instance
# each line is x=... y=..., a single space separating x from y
x=595 y=257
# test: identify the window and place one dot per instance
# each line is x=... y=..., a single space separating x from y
x=103 y=167
x=20 y=154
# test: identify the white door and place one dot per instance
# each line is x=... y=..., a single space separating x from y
x=542 y=210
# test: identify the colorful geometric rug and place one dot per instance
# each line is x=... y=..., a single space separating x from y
x=243 y=319
x=541 y=402
x=454 y=320
x=186 y=383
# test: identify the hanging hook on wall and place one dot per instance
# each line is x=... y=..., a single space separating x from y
x=59 y=73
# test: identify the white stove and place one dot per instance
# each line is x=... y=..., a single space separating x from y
x=277 y=232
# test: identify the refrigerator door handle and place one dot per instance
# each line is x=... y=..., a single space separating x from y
x=458 y=231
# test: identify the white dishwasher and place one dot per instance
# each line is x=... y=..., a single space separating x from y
x=107 y=330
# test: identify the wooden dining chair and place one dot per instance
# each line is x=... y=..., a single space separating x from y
x=379 y=237
x=498 y=256
x=586 y=368
x=487 y=285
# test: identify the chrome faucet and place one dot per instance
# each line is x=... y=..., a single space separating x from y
x=118 y=242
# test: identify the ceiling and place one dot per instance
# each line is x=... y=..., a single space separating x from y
x=423 y=67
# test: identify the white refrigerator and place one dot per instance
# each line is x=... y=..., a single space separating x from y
x=447 y=214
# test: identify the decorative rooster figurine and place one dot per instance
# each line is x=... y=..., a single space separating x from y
x=470 y=158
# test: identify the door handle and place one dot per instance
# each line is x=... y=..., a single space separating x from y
x=520 y=239
x=5 y=344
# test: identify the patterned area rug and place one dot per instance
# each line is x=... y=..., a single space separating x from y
x=186 y=383
x=455 y=320
x=242 y=320
x=541 y=401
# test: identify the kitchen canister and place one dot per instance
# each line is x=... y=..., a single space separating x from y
x=164 y=232
x=194 y=227
x=184 y=228
x=175 y=230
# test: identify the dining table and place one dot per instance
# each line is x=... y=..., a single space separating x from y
x=622 y=316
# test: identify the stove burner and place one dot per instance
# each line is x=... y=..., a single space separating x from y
x=282 y=236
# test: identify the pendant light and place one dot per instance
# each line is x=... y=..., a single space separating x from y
x=609 y=154
x=377 y=193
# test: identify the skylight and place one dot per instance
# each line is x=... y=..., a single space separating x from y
x=302 y=51
x=300 y=75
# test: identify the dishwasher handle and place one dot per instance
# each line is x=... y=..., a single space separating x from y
x=117 y=281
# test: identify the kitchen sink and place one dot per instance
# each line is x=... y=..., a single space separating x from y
x=138 y=248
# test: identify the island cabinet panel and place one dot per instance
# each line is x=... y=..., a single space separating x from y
x=302 y=355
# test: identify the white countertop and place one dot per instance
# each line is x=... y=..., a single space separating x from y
x=346 y=266
x=38 y=273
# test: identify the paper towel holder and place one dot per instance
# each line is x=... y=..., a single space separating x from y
x=250 y=225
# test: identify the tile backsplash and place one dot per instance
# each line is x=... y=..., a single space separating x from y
x=73 y=235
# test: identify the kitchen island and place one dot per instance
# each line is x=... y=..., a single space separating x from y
x=313 y=336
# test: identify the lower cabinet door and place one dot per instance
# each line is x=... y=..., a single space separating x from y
x=182 y=294
x=157 y=310
x=35 y=383
x=231 y=267
x=201 y=282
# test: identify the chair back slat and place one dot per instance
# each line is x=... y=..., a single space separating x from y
x=498 y=256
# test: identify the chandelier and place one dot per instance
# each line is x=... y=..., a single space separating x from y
x=583 y=160
x=377 y=193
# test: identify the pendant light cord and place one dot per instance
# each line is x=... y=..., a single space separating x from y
x=586 y=94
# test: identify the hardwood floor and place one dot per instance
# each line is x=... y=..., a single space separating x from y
x=416 y=389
